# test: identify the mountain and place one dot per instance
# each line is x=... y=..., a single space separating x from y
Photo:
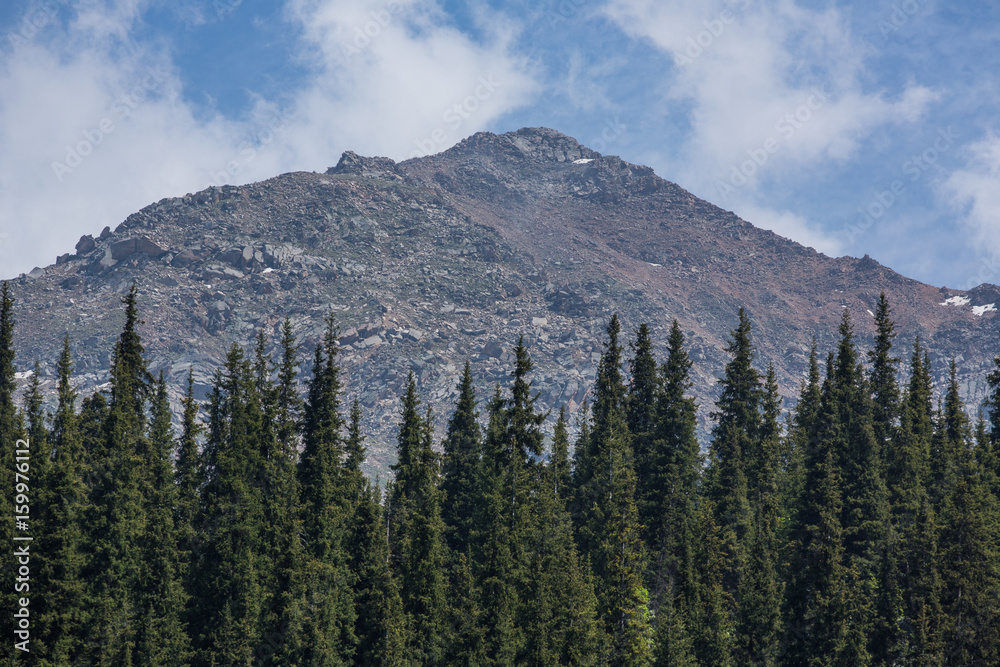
x=449 y=257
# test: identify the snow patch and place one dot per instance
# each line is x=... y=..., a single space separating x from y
x=979 y=310
x=652 y=264
x=871 y=313
x=955 y=301
x=583 y=160
x=268 y=270
x=24 y=375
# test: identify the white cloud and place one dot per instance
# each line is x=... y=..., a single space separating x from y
x=791 y=226
x=975 y=191
x=86 y=86
x=775 y=84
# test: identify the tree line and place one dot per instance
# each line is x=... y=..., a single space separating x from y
x=861 y=530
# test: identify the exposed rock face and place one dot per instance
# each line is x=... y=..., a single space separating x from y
x=436 y=260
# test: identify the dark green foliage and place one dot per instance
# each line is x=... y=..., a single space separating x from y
x=380 y=626
x=62 y=611
x=162 y=638
x=561 y=475
x=416 y=534
x=882 y=376
x=122 y=463
x=669 y=503
x=734 y=453
x=870 y=534
x=230 y=568
x=609 y=530
x=462 y=452
x=760 y=593
x=326 y=635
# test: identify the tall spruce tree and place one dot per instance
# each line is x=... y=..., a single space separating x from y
x=641 y=404
x=121 y=464
x=865 y=514
x=380 y=626
x=668 y=508
x=560 y=610
x=883 y=369
x=327 y=580
x=417 y=533
x=496 y=566
x=162 y=638
x=62 y=612
x=229 y=588
x=11 y=431
x=462 y=453
x=970 y=571
x=610 y=531
x=734 y=452
x=760 y=594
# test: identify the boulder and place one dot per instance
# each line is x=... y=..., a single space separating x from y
x=85 y=244
x=122 y=249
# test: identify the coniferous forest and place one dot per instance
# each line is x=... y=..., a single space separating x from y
x=862 y=528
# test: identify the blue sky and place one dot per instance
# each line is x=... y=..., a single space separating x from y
x=850 y=127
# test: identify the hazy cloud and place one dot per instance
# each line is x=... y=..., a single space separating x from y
x=93 y=123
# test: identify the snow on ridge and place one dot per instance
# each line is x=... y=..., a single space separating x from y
x=979 y=310
x=955 y=301
x=583 y=160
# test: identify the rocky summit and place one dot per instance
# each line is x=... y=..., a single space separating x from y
x=439 y=259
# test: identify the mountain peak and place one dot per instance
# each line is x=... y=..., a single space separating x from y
x=536 y=143
x=367 y=167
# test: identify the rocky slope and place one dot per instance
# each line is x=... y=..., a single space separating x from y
x=436 y=260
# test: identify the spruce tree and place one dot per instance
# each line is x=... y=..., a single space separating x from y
x=561 y=475
x=380 y=625
x=462 y=453
x=560 y=610
x=610 y=531
x=121 y=463
x=230 y=570
x=734 y=452
x=496 y=567
x=882 y=376
x=760 y=593
x=669 y=508
x=641 y=406
x=327 y=581
x=62 y=612
x=187 y=477
x=417 y=533
x=162 y=638
x=969 y=565
x=710 y=625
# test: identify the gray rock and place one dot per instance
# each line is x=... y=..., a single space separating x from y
x=86 y=244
